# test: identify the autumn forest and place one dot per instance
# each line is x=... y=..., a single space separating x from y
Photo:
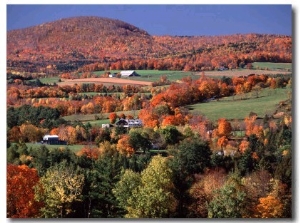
x=182 y=162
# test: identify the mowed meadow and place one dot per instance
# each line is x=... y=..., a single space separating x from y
x=240 y=106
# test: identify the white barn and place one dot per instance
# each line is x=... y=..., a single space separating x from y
x=128 y=73
x=50 y=137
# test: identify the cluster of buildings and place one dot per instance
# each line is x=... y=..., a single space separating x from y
x=126 y=123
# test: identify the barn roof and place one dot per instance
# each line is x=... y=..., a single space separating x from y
x=127 y=72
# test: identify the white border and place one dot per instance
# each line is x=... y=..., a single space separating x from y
x=3 y=75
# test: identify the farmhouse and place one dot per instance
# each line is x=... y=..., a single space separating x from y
x=52 y=140
x=112 y=75
x=128 y=73
x=129 y=123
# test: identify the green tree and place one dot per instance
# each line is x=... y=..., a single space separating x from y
x=58 y=189
x=123 y=190
x=171 y=135
x=246 y=163
x=154 y=197
x=57 y=155
x=191 y=156
x=139 y=142
x=40 y=159
x=99 y=200
x=228 y=201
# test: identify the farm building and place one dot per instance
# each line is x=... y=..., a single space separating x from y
x=106 y=125
x=52 y=140
x=129 y=123
x=112 y=75
x=128 y=73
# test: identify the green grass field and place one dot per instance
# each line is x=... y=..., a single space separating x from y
x=91 y=118
x=228 y=107
x=49 y=80
x=234 y=108
x=74 y=148
x=154 y=75
x=272 y=66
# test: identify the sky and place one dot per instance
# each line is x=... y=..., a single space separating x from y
x=166 y=19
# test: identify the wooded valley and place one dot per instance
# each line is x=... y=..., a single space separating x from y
x=180 y=162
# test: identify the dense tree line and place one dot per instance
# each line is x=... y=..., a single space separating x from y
x=190 y=179
x=41 y=116
x=177 y=165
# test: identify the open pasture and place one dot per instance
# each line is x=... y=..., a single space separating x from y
x=241 y=72
x=74 y=148
x=272 y=66
x=146 y=77
x=235 y=108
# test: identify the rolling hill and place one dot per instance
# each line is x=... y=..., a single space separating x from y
x=86 y=40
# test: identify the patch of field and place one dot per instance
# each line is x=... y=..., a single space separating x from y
x=118 y=81
x=148 y=76
x=235 y=108
x=241 y=72
x=103 y=118
x=154 y=75
x=272 y=66
x=74 y=148
x=49 y=80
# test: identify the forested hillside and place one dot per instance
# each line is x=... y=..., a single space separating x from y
x=73 y=150
x=68 y=44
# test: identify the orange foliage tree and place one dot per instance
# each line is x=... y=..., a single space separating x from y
x=149 y=118
x=252 y=127
x=222 y=142
x=224 y=127
x=20 y=192
x=90 y=152
x=124 y=147
x=269 y=207
x=244 y=146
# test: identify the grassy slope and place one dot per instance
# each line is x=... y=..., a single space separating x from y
x=272 y=66
x=91 y=117
x=239 y=109
x=74 y=148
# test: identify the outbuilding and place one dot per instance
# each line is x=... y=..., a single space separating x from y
x=52 y=140
x=128 y=73
x=129 y=123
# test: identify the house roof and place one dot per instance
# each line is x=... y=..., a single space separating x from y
x=127 y=72
x=129 y=122
x=46 y=137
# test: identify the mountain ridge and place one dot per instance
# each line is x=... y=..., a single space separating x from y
x=89 y=39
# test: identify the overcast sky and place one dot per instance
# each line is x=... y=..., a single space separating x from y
x=177 y=19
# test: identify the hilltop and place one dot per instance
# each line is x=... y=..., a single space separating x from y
x=70 y=43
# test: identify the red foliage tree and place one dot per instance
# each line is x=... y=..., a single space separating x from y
x=20 y=192
x=113 y=117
